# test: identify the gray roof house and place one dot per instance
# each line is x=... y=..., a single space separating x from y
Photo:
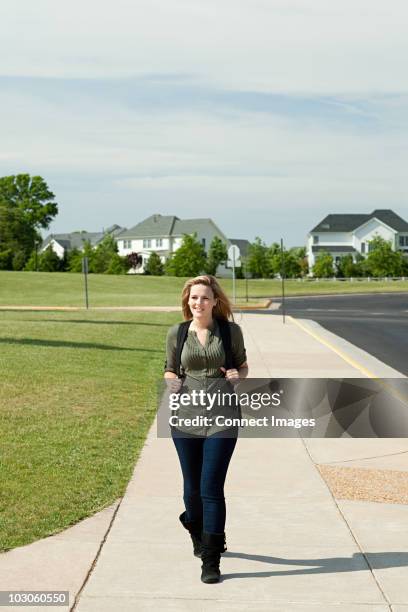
x=62 y=243
x=164 y=234
x=341 y=234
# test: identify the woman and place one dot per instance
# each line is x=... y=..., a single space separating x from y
x=204 y=459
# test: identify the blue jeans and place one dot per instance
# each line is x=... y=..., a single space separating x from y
x=204 y=463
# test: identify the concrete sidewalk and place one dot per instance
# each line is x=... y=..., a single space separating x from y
x=291 y=544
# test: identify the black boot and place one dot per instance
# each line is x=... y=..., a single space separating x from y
x=213 y=544
x=194 y=527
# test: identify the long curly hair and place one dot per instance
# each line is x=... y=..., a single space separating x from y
x=222 y=309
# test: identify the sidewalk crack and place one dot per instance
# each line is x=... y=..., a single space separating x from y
x=386 y=600
x=366 y=458
x=94 y=562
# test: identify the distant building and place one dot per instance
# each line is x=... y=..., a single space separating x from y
x=62 y=243
x=343 y=234
x=164 y=234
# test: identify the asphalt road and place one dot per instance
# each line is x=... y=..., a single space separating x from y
x=377 y=323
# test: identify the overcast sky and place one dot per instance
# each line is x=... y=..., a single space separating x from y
x=264 y=115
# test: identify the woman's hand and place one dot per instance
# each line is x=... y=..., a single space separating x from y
x=174 y=384
x=231 y=375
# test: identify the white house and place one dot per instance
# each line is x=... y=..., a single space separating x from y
x=62 y=243
x=164 y=234
x=342 y=234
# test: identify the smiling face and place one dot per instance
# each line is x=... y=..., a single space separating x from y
x=201 y=302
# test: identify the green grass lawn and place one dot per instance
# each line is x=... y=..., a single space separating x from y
x=65 y=289
x=77 y=396
x=78 y=390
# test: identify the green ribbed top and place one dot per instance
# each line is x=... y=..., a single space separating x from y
x=200 y=361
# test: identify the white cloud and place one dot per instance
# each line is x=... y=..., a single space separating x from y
x=110 y=152
x=117 y=140
x=318 y=46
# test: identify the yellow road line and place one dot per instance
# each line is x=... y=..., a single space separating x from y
x=334 y=348
x=353 y=362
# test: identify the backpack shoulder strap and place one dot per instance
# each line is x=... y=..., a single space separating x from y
x=225 y=332
x=181 y=338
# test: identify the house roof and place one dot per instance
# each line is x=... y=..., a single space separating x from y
x=391 y=218
x=188 y=226
x=155 y=225
x=66 y=244
x=166 y=225
x=350 y=222
x=75 y=240
x=115 y=230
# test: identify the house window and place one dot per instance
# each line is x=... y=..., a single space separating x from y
x=147 y=243
x=159 y=242
x=315 y=239
x=203 y=242
x=370 y=247
x=363 y=247
x=127 y=244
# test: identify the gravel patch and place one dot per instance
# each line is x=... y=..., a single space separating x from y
x=363 y=484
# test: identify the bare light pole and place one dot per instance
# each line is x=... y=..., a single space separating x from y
x=36 y=255
x=246 y=279
x=85 y=262
x=283 y=280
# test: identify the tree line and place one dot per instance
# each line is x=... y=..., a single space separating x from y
x=381 y=261
x=189 y=260
x=27 y=205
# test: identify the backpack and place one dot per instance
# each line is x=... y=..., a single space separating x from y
x=225 y=333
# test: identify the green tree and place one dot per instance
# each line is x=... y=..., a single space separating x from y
x=382 y=260
x=301 y=257
x=117 y=265
x=32 y=263
x=272 y=252
x=75 y=257
x=26 y=206
x=13 y=236
x=6 y=258
x=189 y=259
x=259 y=259
x=19 y=259
x=103 y=254
x=323 y=267
x=74 y=260
x=274 y=249
x=292 y=265
x=347 y=267
x=154 y=266
x=217 y=254
x=30 y=266
x=48 y=261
